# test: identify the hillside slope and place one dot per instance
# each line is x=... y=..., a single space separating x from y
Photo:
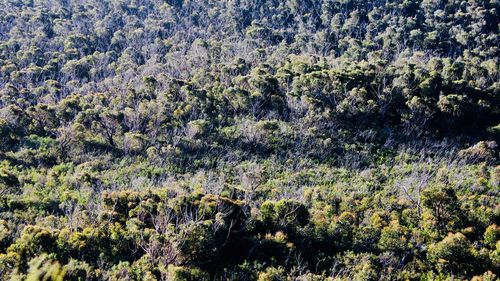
x=249 y=140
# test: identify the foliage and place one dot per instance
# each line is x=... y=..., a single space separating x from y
x=249 y=140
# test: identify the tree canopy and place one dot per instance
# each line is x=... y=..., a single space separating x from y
x=249 y=140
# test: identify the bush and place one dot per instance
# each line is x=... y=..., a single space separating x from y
x=492 y=235
x=272 y=274
x=453 y=253
x=181 y=273
x=286 y=214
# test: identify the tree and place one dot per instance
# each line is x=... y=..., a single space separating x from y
x=444 y=206
x=44 y=268
x=453 y=253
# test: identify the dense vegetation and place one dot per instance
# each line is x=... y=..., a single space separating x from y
x=249 y=140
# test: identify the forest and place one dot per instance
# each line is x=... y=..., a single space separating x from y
x=269 y=140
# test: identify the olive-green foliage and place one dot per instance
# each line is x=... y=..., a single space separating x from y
x=249 y=140
x=453 y=252
x=178 y=273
